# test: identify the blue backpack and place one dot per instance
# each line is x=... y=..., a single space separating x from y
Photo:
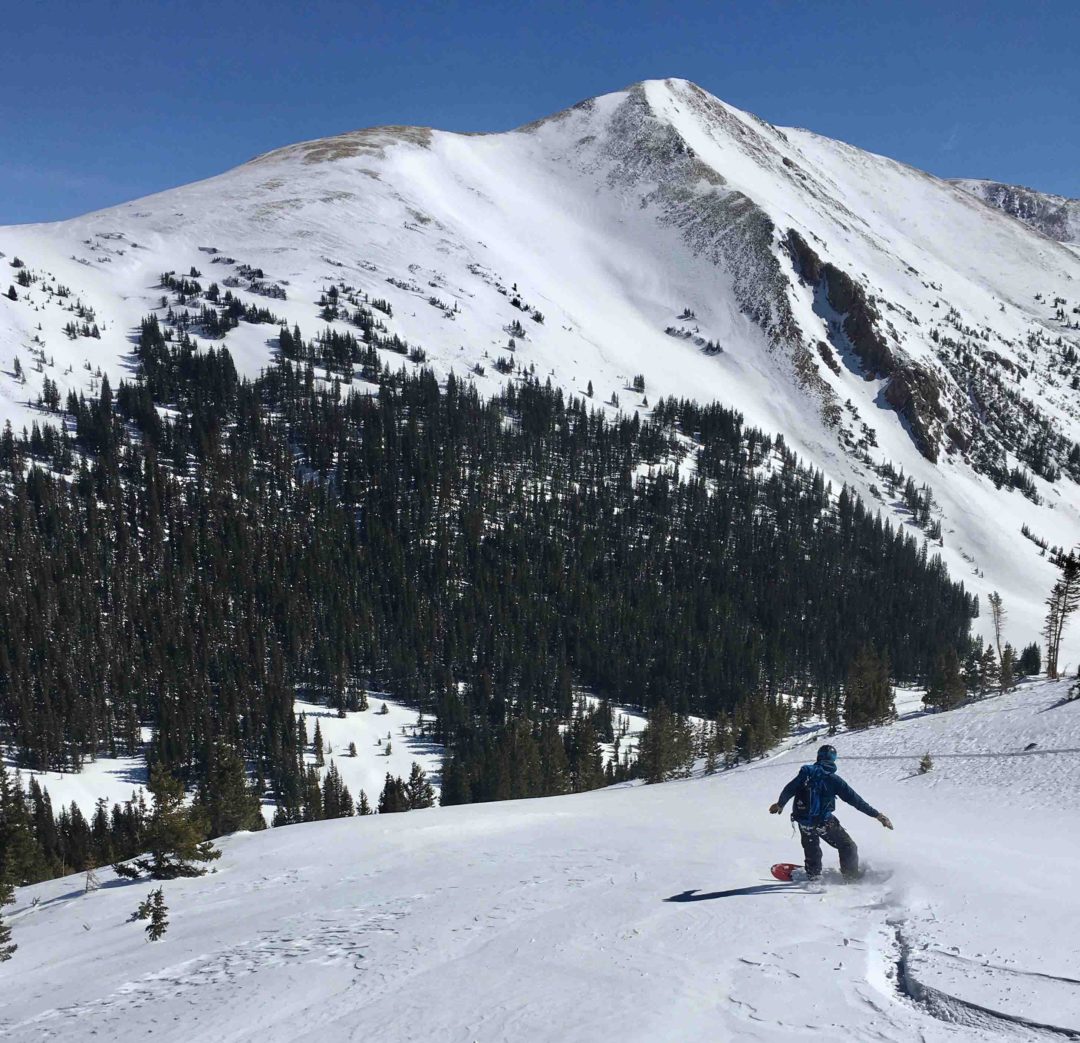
x=814 y=798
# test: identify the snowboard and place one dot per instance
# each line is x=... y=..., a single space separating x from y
x=793 y=874
x=785 y=871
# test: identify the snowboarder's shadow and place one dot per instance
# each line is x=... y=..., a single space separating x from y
x=758 y=889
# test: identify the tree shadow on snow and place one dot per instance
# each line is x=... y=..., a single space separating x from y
x=757 y=889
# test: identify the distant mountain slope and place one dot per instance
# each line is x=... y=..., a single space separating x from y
x=1057 y=217
x=884 y=321
x=552 y=919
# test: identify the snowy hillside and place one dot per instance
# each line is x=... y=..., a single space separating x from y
x=644 y=911
x=1055 y=216
x=884 y=321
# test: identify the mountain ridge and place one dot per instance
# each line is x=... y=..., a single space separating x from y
x=1057 y=217
x=880 y=318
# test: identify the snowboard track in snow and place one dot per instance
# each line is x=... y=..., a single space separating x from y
x=957 y=1011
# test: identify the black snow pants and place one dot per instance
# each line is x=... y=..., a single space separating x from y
x=835 y=836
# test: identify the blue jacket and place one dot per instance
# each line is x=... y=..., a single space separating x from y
x=830 y=786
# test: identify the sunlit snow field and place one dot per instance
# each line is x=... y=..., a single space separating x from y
x=544 y=919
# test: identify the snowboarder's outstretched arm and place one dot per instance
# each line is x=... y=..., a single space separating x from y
x=788 y=792
x=849 y=796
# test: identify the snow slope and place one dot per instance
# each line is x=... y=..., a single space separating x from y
x=645 y=911
x=371 y=730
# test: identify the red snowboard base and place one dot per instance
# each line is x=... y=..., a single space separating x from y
x=783 y=870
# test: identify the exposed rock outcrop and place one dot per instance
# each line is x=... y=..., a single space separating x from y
x=913 y=391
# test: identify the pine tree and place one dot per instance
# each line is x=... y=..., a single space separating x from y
x=666 y=748
x=1063 y=601
x=22 y=860
x=554 y=766
x=946 y=688
x=227 y=801
x=419 y=793
x=926 y=764
x=711 y=763
x=175 y=834
x=868 y=697
x=584 y=757
x=972 y=673
x=336 y=800
x=318 y=744
x=159 y=922
x=393 y=798
x=363 y=805
x=1030 y=662
x=7 y=897
x=312 y=801
x=989 y=671
x=997 y=617
x=725 y=743
x=1008 y=668
x=144 y=909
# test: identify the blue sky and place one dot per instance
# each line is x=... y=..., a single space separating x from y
x=107 y=100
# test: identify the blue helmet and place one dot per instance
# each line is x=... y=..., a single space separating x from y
x=826 y=755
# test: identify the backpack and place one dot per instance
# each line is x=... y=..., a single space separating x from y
x=812 y=797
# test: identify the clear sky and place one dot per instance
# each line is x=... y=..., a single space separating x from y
x=106 y=100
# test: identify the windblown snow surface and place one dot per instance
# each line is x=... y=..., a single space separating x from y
x=644 y=912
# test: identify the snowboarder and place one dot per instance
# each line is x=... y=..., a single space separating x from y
x=815 y=790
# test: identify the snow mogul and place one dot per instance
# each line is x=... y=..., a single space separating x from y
x=815 y=790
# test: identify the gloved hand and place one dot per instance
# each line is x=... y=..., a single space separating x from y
x=884 y=820
x=775 y=809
